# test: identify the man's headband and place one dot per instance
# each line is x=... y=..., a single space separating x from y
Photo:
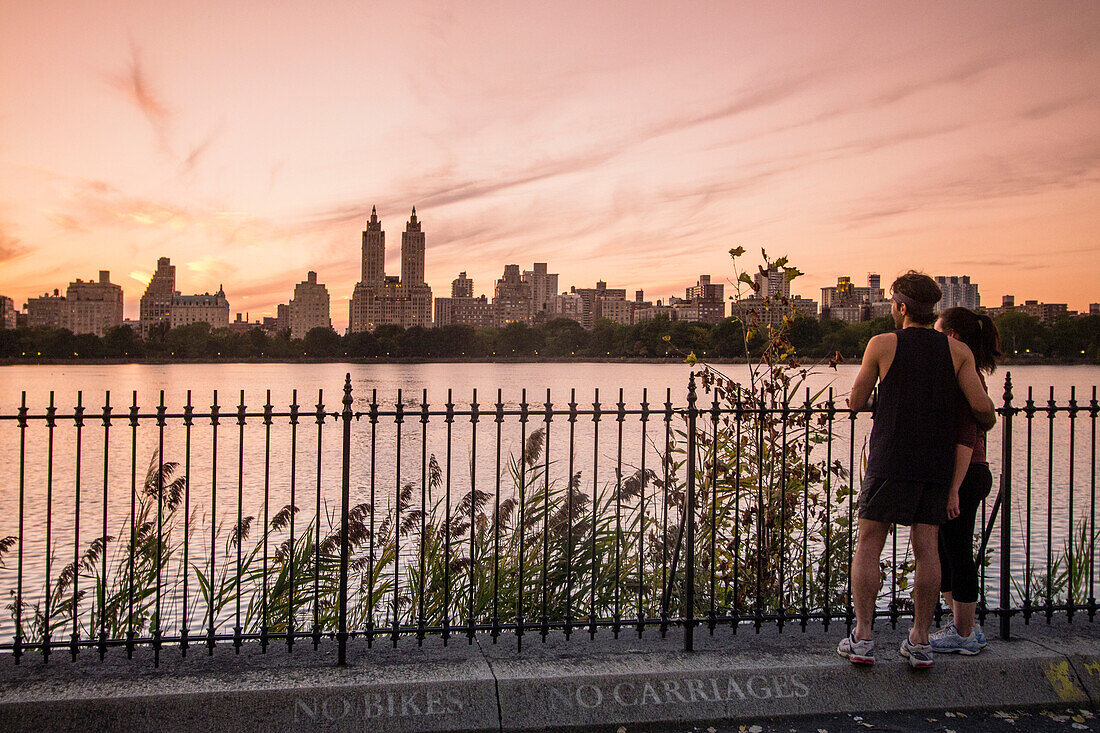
x=915 y=307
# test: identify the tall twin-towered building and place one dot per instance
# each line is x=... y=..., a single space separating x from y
x=384 y=299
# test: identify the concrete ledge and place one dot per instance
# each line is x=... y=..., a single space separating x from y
x=558 y=685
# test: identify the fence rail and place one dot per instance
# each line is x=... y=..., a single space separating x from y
x=649 y=515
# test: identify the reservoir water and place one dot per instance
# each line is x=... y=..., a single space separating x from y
x=1058 y=472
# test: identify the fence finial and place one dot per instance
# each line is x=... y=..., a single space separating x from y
x=1008 y=389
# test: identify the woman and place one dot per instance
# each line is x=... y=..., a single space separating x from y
x=970 y=485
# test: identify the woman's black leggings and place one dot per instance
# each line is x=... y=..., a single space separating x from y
x=958 y=570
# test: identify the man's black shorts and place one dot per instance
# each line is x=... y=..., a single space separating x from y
x=903 y=502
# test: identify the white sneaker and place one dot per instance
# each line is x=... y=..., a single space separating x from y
x=861 y=651
x=919 y=655
x=954 y=642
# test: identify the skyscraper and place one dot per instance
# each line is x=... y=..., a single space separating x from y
x=92 y=307
x=412 y=253
x=705 y=301
x=374 y=252
x=772 y=282
x=157 y=300
x=380 y=299
x=591 y=298
x=543 y=286
x=309 y=308
x=512 y=298
x=462 y=286
x=957 y=291
x=7 y=312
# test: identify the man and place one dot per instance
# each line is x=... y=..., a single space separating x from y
x=911 y=455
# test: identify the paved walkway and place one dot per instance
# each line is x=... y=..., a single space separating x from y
x=602 y=684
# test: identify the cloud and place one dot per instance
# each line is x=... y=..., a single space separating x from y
x=11 y=248
x=1047 y=109
x=958 y=74
x=1016 y=262
x=134 y=84
x=982 y=179
x=273 y=174
x=212 y=267
x=66 y=222
x=191 y=160
x=742 y=102
x=439 y=188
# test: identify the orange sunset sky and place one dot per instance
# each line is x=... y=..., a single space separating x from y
x=630 y=141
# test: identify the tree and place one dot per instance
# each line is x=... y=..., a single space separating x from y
x=517 y=339
x=564 y=337
x=322 y=341
x=453 y=340
x=58 y=343
x=390 y=339
x=361 y=344
x=1021 y=334
x=122 y=341
x=805 y=334
x=258 y=342
x=190 y=341
x=839 y=336
x=601 y=339
x=417 y=341
x=727 y=339
x=89 y=346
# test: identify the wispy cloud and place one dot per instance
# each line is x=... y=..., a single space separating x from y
x=1047 y=109
x=212 y=266
x=980 y=180
x=10 y=246
x=133 y=82
x=966 y=71
x=196 y=153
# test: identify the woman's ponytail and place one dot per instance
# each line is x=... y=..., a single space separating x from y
x=977 y=331
x=989 y=344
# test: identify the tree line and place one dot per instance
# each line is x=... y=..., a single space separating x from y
x=1068 y=338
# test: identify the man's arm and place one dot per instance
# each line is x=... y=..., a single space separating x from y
x=868 y=375
x=980 y=404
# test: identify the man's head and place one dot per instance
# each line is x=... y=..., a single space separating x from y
x=914 y=296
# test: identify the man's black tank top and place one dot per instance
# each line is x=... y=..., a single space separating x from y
x=913 y=436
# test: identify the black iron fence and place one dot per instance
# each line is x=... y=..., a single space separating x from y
x=734 y=509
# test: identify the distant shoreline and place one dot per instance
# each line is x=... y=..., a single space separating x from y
x=1031 y=361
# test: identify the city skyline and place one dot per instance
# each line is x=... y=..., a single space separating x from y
x=635 y=141
x=534 y=298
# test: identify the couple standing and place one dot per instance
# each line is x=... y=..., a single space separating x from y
x=926 y=465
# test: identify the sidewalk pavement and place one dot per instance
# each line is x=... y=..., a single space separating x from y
x=557 y=685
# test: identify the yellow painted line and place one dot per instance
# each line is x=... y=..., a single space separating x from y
x=1064 y=686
